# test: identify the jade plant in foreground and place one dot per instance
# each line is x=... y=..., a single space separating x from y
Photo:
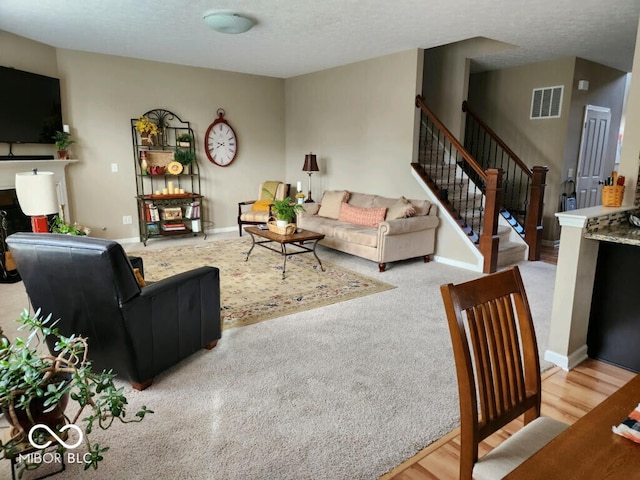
x=32 y=381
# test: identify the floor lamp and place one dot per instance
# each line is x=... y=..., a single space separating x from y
x=37 y=196
x=310 y=166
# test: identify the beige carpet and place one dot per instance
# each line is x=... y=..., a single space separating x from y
x=340 y=392
x=253 y=290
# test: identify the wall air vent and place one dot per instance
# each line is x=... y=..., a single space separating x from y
x=546 y=102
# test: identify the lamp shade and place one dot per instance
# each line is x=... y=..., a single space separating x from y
x=310 y=164
x=225 y=22
x=36 y=192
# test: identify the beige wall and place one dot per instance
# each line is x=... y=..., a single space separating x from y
x=100 y=95
x=446 y=78
x=502 y=98
x=105 y=92
x=23 y=54
x=359 y=120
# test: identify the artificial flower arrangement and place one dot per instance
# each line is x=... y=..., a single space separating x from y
x=146 y=126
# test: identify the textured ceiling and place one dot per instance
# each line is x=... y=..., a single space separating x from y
x=294 y=37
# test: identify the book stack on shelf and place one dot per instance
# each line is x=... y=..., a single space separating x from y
x=192 y=210
x=173 y=227
x=172 y=217
x=152 y=213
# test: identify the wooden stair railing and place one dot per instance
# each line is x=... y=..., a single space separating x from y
x=446 y=166
x=523 y=188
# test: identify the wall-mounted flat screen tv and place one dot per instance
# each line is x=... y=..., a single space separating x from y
x=30 y=107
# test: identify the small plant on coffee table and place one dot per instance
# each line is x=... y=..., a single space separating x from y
x=286 y=209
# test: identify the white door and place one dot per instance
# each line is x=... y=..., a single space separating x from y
x=592 y=161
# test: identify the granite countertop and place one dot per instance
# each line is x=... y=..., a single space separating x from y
x=619 y=233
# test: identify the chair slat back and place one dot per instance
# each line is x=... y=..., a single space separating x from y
x=496 y=355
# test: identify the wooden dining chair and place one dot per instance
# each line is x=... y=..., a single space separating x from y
x=498 y=370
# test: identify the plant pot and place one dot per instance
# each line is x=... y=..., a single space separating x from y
x=300 y=201
x=62 y=154
x=282 y=223
x=51 y=416
x=184 y=144
x=146 y=139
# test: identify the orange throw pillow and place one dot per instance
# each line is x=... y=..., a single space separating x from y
x=367 y=217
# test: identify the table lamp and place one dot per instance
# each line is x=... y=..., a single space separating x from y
x=37 y=196
x=310 y=166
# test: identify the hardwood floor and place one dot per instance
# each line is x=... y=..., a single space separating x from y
x=566 y=396
x=549 y=254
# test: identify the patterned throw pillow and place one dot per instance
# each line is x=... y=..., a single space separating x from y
x=331 y=203
x=401 y=209
x=367 y=217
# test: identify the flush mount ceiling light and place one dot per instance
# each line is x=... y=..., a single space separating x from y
x=225 y=22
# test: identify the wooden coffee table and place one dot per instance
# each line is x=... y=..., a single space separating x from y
x=296 y=239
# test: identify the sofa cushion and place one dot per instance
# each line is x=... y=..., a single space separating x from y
x=356 y=234
x=317 y=224
x=255 y=216
x=331 y=203
x=402 y=208
x=367 y=217
x=362 y=200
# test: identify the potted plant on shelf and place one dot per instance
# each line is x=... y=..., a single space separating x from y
x=184 y=140
x=285 y=211
x=148 y=130
x=62 y=141
x=35 y=389
x=186 y=157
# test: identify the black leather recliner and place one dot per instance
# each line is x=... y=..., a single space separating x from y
x=90 y=285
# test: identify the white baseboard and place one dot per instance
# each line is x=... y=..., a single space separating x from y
x=567 y=362
x=222 y=230
x=127 y=240
x=208 y=231
x=456 y=263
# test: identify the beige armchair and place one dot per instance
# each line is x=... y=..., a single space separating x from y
x=255 y=212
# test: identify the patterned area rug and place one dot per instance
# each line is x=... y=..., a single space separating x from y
x=253 y=290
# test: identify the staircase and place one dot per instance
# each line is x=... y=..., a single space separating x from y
x=490 y=200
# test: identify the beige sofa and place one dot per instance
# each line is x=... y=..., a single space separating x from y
x=373 y=227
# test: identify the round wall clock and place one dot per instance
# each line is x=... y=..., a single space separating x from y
x=220 y=141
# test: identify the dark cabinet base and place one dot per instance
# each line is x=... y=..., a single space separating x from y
x=614 y=323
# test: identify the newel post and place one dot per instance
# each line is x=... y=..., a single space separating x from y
x=489 y=238
x=533 y=222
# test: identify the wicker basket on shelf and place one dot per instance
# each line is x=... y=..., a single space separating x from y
x=612 y=195
x=288 y=229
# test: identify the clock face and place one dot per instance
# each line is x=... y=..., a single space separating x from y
x=221 y=143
